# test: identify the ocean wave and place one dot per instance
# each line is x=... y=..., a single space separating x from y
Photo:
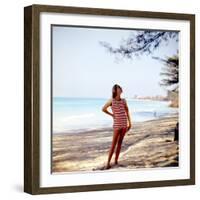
x=78 y=117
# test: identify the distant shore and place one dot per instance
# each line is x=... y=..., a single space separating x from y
x=147 y=144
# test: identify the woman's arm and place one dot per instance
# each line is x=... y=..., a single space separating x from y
x=128 y=113
x=104 y=108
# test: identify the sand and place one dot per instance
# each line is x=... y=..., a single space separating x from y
x=147 y=144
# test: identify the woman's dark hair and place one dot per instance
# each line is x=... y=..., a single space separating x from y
x=114 y=90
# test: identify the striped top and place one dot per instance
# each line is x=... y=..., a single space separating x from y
x=120 y=116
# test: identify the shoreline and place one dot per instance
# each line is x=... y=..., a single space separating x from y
x=147 y=144
x=83 y=131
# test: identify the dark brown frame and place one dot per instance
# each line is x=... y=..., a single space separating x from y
x=32 y=105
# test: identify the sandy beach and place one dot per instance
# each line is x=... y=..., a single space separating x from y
x=147 y=144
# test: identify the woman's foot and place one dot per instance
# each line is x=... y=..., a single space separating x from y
x=108 y=166
x=116 y=162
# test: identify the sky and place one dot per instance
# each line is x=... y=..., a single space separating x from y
x=83 y=68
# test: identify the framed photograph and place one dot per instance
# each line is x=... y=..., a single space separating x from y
x=109 y=99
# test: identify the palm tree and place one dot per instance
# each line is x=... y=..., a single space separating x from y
x=170 y=71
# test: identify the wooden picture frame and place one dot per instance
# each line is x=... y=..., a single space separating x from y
x=32 y=98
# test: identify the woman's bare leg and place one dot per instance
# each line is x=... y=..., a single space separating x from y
x=112 y=148
x=119 y=144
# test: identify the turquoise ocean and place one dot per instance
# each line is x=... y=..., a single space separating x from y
x=81 y=114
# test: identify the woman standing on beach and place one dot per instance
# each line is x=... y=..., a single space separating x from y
x=121 y=121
